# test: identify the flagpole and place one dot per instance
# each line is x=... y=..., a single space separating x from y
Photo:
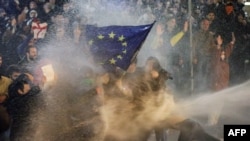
x=191 y=47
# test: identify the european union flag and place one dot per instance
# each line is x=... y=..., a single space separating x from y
x=116 y=46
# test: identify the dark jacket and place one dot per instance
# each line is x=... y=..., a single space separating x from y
x=21 y=109
x=4 y=119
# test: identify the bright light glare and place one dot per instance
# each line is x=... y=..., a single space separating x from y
x=247 y=3
x=48 y=72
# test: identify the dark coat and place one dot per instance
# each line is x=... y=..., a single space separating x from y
x=21 y=108
x=220 y=69
x=4 y=119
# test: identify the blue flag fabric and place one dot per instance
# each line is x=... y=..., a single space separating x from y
x=116 y=46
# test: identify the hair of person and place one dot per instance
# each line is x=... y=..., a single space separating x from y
x=156 y=64
x=29 y=47
x=13 y=68
x=23 y=77
x=18 y=84
x=203 y=19
x=152 y=58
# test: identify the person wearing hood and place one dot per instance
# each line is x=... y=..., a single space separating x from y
x=25 y=99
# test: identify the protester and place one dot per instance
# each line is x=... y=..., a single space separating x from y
x=4 y=116
x=24 y=101
x=19 y=24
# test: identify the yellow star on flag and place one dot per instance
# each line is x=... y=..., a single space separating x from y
x=91 y=42
x=121 y=38
x=100 y=36
x=112 y=35
x=124 y=44
x=112 y=61
x=119 y=57
x=125 y=51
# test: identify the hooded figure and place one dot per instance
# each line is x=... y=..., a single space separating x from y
x=24 y=100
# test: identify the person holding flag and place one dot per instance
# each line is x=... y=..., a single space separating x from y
x=115 y=47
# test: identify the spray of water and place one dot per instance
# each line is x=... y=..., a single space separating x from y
x=232 y=104
x=72 y=114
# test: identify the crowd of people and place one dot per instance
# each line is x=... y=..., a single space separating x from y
x=219 y=47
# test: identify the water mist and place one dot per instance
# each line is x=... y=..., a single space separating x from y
x=66 y=101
